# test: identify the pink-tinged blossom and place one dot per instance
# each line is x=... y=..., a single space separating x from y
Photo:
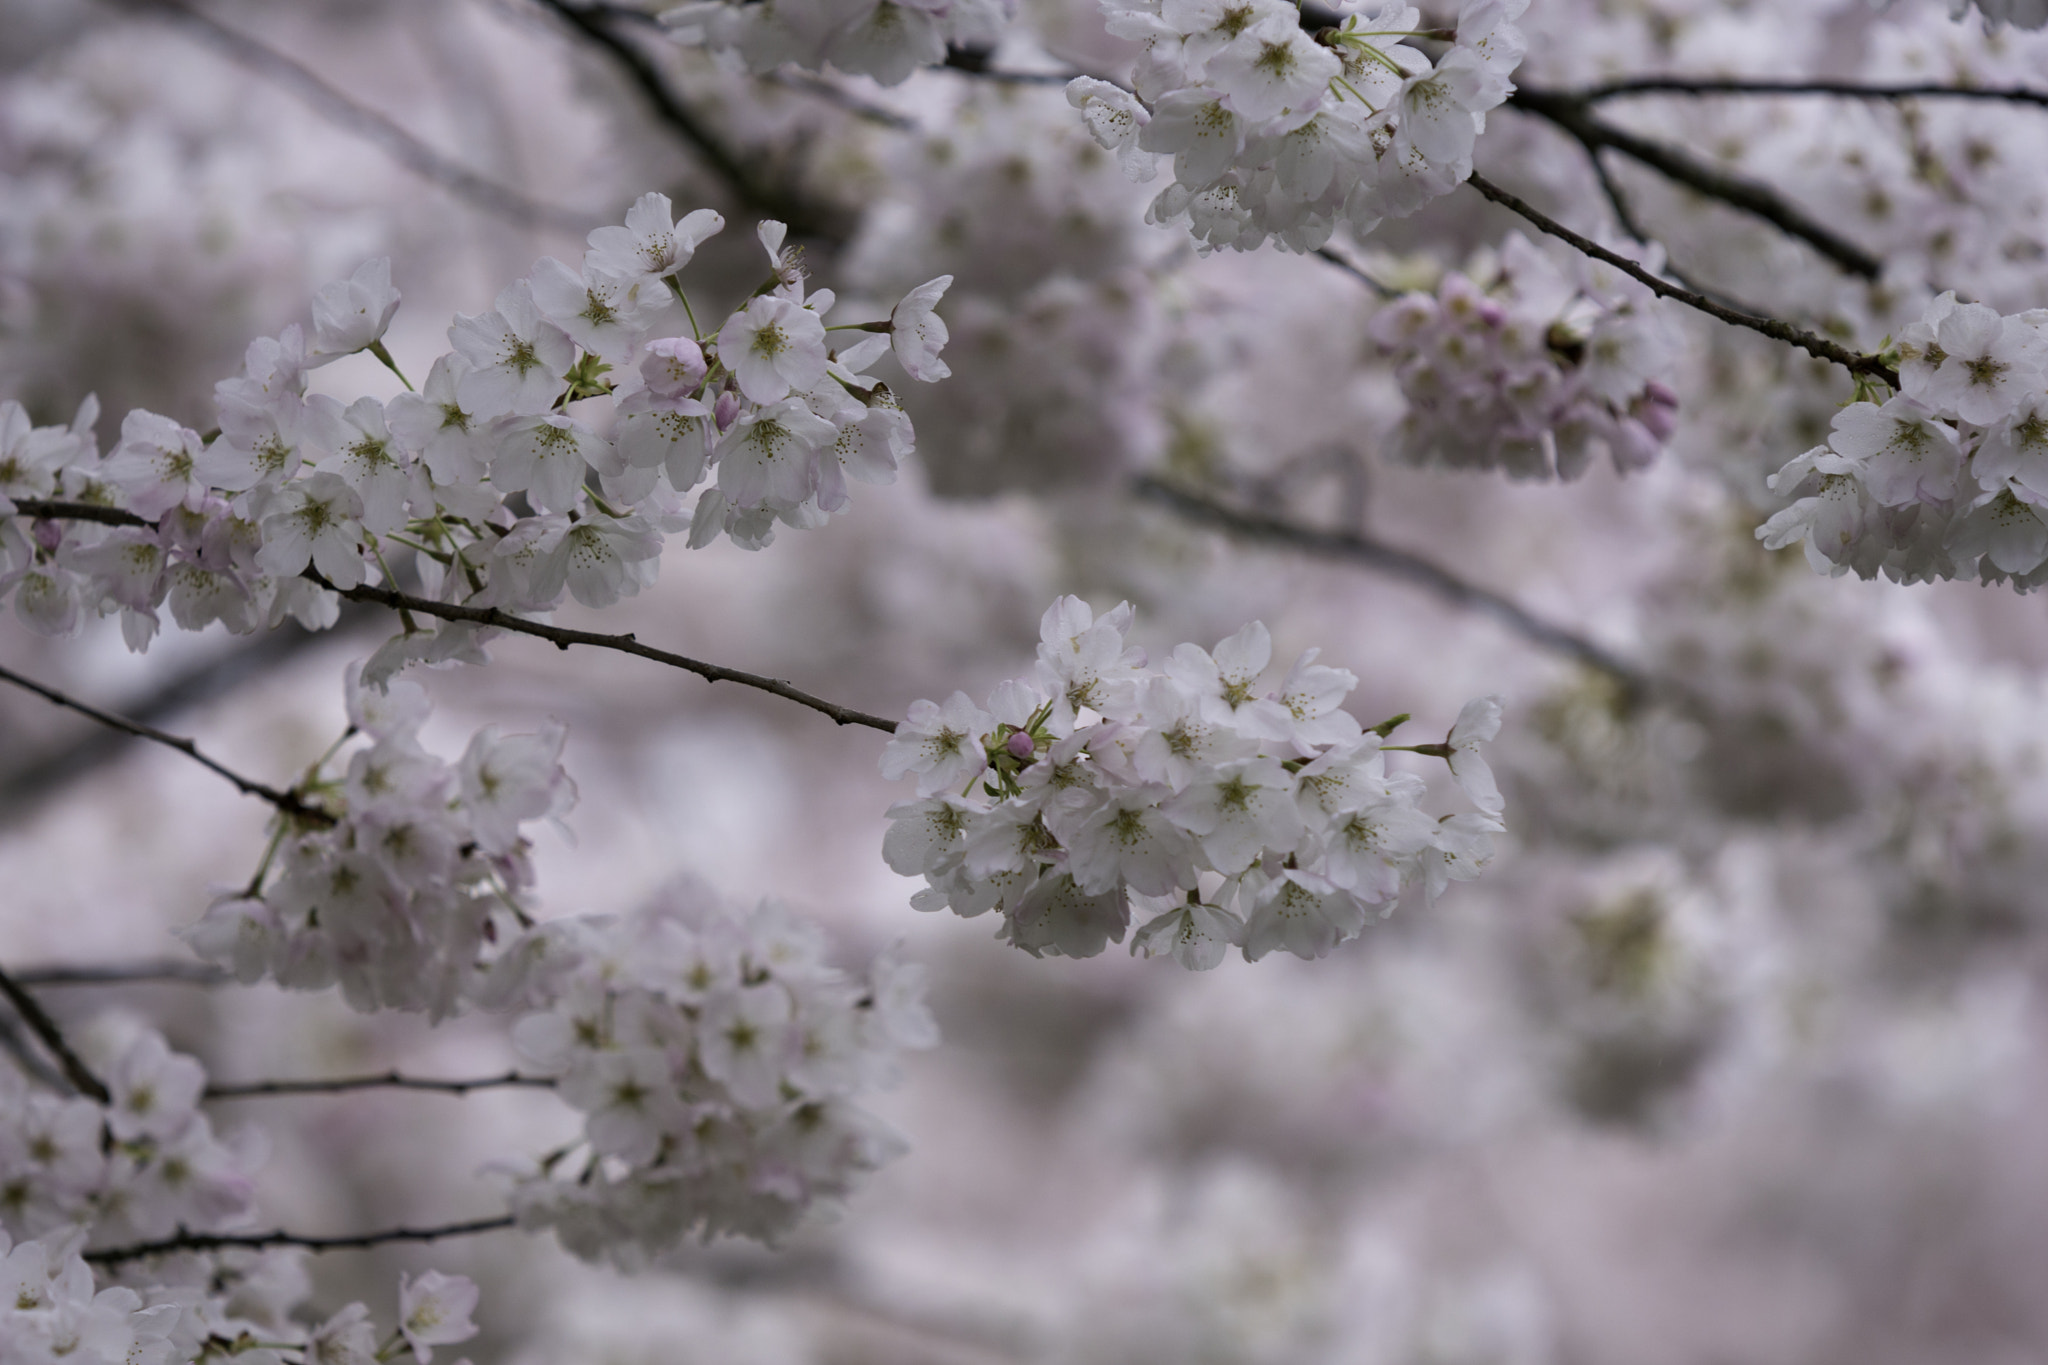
x=917 y=333
x=942 y=744
x=156 y=465
x=772 y=346
x=352 y=314
x=517 y=357
x=434 y=1310
x=652 y=246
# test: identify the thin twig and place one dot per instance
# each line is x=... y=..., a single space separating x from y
x=562 y=637
x=345 y=113
x=973 y=61
x=1354 y=270
x=123 y=974
x=1396 y=563
x=256 y=1241
x=1709 y=85
x=752 y=190
x=559 y=636
x=1572 y=114
x=287 y=802
x=45 y=1028
x=387 y=1080
x=1854 y=361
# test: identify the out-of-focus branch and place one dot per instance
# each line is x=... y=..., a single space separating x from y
x=1854 y=361
x=386 y=1080
x=287 y=802
x=1708 y=85
x=1396 y=563
x=345 y=113
x=1572 y=113
x=1354 y=270
x=52 y=1038
x=124 y=974
x=973 y=61
x=756 y=192
x=257 y=1241
x=562 y=638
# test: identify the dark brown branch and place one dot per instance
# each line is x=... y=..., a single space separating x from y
x=1396 y=563
x=973 y=61
x=1691 y=85
x=752 y=190
x=122 y=974
x=338 y=109
x=559 y=636
x=256 y=1241
x=562 y=637
x=1571 y=113
x=287 y=802
x=1854 y=361
x=45 y=1028
x=1355 y=271
x=387 y=1080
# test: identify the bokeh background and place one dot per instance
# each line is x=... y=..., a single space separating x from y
x=1738 y=1052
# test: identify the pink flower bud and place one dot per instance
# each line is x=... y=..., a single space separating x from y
x=48 y=534
x=673 y=367
x=1021 y=746
x=1657 y=410
x=727 y=410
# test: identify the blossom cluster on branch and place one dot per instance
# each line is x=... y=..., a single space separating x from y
x=1530 y=366
x=1948 y=478
x=1234 y=816
x=407 y=868
x=714 y=1058
x=507 y=484
x=140 y=1165
x=1278 y=134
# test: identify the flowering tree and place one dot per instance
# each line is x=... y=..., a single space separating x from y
x=1081 y=297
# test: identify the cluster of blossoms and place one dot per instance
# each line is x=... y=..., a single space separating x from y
x=398 y=871
x=880 y=38
x=714 y=1057
x=142 y=1165
x=1241 y=817
x=510 y=485
x=1527 y=365
x=2019 y=13
x=51 y=1309
x=1278 y=133
x=1946 y=479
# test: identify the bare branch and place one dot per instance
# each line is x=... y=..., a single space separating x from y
x=1402 y=564
x=1854 y=361
x=973 y=61
x=256 y=1241
x=345 y=113
x=386 y=1080
x=45 y=1028
x=559 y=636
x=287 y=802
x=1355 y=271
x=752 y=190
x=1692 y=85
x=125 y=973
x=562 y=638
x=1571 y=113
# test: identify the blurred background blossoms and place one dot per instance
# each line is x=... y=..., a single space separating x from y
x=1736 y=1052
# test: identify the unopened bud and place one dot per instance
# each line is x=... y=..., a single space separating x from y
x=727 y=408
x=1021 y=746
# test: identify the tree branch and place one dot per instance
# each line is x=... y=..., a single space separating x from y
x=1396 y=563
x=343 y=112
x=287 y=802
x=120 y=974
x=1707 y=85
x=387 y=1080
x=256 y=1241
x=45 y=1028
x=1355 y=271
x=753 y=191
x=1571 y=113
x=562 y=637
x=1854 y=361
x=559 y=636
